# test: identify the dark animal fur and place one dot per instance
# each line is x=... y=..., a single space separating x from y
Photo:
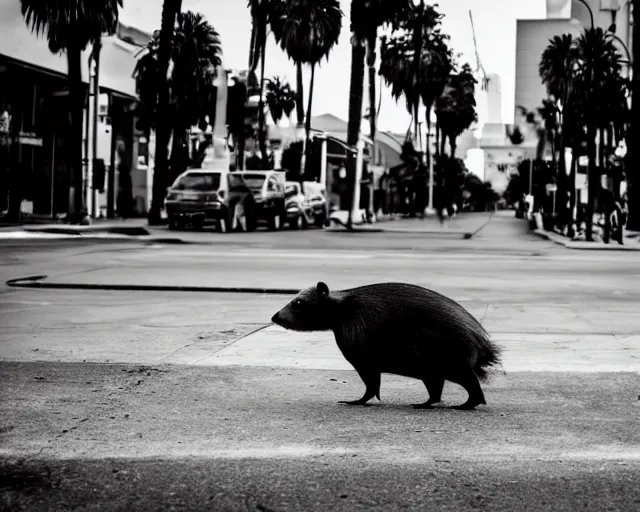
x=401 y=329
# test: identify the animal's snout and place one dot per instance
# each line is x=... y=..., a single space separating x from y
x=275 y=318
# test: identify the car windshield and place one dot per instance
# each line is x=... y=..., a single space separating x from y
x=254 y=181
x=291 y=190
x=198 y=181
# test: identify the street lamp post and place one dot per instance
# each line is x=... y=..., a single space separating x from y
x=584 y=2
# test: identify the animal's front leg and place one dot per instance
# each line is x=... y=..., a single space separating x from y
x=371 y=379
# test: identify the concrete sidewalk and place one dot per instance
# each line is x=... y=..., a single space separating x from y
x=631 y=242
x=465 y=224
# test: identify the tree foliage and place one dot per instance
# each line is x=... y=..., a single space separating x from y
x=280 y=99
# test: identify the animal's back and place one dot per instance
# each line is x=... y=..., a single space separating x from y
x=407 y=323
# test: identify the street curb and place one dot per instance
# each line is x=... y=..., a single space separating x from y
x=37 y=282
x=576 y=246
x=98 y=236
x=81 y=230
x=466 y=235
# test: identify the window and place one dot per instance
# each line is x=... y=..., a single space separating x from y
x=254 y=181
x=198 y=181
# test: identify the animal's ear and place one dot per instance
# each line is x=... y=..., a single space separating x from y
x=323 y=290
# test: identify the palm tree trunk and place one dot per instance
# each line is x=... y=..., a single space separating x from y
x=572 y=188
x=261 y=127
x=453 y=144
x=371 y=63
x=427 y=149
x=592 y=178
x=299 y=94
x=437 y=140
x=307 y=128
x=170 y=10
x=76 y=101
x=356 y=88
x=373 y=111
x=561 y=192
x=416 y=135
x=252 y=44
x=602 y=149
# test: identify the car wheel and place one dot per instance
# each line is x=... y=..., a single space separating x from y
x=172 y=223
x=275 y=223
x=320 y=220
x=299 y=223
x=225 y=222
x=197 y=224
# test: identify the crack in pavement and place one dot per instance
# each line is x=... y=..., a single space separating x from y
x=233 y=342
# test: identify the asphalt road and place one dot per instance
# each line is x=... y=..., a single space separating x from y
x=118 y=400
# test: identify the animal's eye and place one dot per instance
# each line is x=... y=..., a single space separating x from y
x=297 y=303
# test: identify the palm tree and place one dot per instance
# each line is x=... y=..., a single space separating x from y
x=261 y=15
x=598 y=64
x=170 y=10
x=309 y=32
x=366 y=18
x=456 y=107
x=195 y=55
x=277 y=18
x=280 y=99
x=548 y=114
x=556 y=69
x=70 y=26
x=536 y=121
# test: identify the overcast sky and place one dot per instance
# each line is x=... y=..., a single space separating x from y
x=495 y=24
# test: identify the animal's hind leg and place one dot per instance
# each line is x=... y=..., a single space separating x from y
x=371 y=380
x=434 y=384
x=469 y=381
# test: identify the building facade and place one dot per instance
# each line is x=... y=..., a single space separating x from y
x=34 y=171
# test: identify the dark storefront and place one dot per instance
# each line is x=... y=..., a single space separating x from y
x=33 y=165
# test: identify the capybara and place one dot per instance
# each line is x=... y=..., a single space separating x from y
x=401 y=329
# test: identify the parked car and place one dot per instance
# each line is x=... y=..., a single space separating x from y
x=199 y=196
x=300 y=214
x=267 y=188
x=315 y=194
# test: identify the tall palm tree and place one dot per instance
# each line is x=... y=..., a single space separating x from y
x=456 y=107
x=556 y=69
x=598 y=64
x=280 y=99
x=367 y=16
x=260 y=18
x=417 y=62
x=170 y=10
x=277 y=18
x=70 y=26
x=548 y=113
x=309 y=32
x=195 y=55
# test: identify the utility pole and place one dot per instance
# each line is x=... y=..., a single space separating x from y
x=97 y=47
